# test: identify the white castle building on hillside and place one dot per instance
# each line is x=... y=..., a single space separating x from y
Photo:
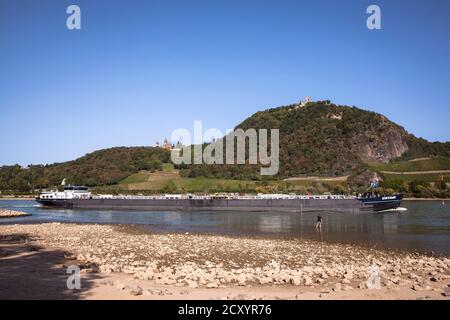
x=304 y=102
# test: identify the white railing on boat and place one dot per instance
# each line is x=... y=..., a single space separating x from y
x=66 y=195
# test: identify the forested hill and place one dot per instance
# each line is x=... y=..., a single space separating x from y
x=103 y=167
x=321 y=138
x=317 y=138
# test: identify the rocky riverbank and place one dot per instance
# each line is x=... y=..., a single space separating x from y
x=12 y=214
x=204 y=263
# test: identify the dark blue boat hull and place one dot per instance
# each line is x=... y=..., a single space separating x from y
x=381 y=203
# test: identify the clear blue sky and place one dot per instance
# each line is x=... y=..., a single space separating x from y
x=137 y=70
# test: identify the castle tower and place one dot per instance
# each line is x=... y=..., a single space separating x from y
x=167 y=145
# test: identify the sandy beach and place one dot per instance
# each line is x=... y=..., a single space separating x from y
x=124 y=262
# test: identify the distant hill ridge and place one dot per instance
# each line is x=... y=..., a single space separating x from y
x=102 y=167
x=321 y=138
x=316 y=138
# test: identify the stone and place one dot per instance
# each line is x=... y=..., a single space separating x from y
x=148 y=292
x=265 y=280
x=105 y=268
x=212 y=285
x=136 y=291
x=362 y=285
x=120 y=286
x=242 y=279
x=446 y=292
x=348 y=276
x=331 y=273
x=308 y=280
x=296 y=280
x=191 y=283
x=345 y=281
x=158 y=292
x=108 y=283
x=416 y=287
x=347 y=287
x=337 y=287
x=396 y=272
x=166 y=281
x=274 y=265
x=92 y=269
x=167 y=292
x=413 y=276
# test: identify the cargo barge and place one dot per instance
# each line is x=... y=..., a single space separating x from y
x=79 y=197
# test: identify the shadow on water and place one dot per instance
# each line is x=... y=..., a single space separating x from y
x=30 y=272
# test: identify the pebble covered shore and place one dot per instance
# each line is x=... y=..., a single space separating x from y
x=12 y=214
x=211 y=261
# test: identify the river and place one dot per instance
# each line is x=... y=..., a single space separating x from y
x=424 y=227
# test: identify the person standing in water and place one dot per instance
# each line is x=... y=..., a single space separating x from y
x=319 y=222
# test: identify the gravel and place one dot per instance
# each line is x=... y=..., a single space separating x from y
x=212 y=261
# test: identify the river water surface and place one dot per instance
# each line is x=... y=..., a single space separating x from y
x=424 y=227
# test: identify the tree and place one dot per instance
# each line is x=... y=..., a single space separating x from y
x=170 y=187
x=416 y=186
x=440 y=183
